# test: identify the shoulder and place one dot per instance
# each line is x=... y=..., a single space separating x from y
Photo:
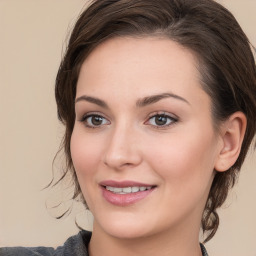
x=22 y=251
x=75 y=245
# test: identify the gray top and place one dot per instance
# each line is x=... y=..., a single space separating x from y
x=76 y=246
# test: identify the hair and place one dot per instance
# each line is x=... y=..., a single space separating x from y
x=225 y=63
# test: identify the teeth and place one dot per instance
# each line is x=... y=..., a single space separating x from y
x=126 y=190
x=110 y=188
x=117 y=190
x=135 y=189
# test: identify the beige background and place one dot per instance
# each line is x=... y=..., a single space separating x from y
x=32 y=35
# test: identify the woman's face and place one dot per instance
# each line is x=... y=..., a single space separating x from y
x=143 y=145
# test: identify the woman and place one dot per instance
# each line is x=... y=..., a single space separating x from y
x=159 y=102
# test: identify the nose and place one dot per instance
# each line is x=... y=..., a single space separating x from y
x=122 y=149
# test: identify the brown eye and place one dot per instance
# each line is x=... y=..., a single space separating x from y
x=94 y=121
x=161 y=120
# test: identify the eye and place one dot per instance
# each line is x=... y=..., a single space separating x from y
x=161 y=120
x=94 y=120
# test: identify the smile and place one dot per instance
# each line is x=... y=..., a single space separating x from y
x=125 y=193
x=126 y=190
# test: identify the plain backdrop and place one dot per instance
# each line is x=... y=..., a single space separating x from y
x=33 y=36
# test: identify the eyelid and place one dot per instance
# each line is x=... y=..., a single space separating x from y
x=164 y=113
x=90 y=114
x=173 y=117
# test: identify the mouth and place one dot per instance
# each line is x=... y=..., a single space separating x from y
x=126 y=192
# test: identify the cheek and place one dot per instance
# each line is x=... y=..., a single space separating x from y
x=85 y=154
x=184 y=157
x=185 y=165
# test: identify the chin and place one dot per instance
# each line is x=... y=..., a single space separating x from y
x=123 y=229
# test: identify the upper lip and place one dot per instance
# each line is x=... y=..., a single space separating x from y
x=123 y=184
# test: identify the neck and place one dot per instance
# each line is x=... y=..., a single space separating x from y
x=166 y=243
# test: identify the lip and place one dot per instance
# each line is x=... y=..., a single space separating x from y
x=124 y=199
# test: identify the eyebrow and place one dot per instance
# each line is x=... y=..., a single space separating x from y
x=155 y=98
x=140 y=102
x=94 y=100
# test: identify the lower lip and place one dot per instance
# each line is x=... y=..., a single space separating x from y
x=124 y=199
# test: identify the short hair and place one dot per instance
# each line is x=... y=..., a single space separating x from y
x=225 y=63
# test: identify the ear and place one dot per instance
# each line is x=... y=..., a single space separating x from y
x=232 y=135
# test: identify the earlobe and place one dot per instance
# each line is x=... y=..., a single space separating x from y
x=232 y=135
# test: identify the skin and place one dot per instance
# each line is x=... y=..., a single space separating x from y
x=178 y=157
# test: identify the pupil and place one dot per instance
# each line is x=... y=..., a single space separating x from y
x=96 y=120
x=161 y=120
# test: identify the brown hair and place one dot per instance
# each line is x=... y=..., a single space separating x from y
x=210 y=31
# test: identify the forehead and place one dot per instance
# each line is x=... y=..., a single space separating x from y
x=146 y=52
x=128 y=66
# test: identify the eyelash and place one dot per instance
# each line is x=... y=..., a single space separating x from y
x=172 y=120
x=85 y=118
